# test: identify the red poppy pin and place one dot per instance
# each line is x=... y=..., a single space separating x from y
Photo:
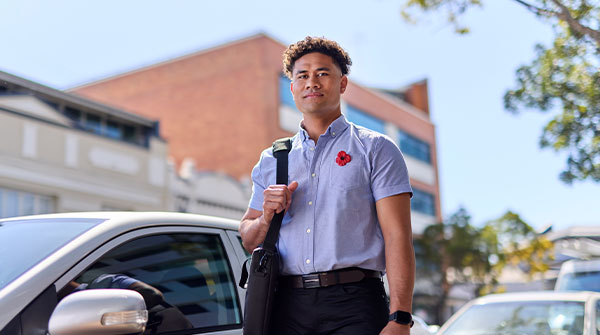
x=342 y=158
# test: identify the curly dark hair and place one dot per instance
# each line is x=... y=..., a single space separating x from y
x=315 y=44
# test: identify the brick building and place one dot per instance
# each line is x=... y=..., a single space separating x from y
x=222 y=106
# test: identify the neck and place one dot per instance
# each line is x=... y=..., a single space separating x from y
x=316 y=126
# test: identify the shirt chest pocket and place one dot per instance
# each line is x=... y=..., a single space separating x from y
x=349 y=176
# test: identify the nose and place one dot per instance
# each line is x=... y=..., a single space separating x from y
x=313 y=82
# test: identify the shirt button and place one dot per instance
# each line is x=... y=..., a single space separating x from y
x=308 y=231
x=310 y=203
x=308 y=261
x=333 y=133
x=312 y=149
x=314 y=174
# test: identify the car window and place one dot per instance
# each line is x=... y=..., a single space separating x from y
x=598 y=317
x=245 y=251
x=190 y=271
x=20 y=250
x=521 y=317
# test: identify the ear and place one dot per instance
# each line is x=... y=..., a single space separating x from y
x=343 y=84
x=292 y=88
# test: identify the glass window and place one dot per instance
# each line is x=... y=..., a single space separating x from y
x=93 y=123
x=22 y=245
x=285 y=95
x=423 y=202
x=129 y=134
x=28 y=204
x=521 y=317
x=113 y=130
x=581 y=281
x=245 y=251
x=191 y=271
x=11 y=203
x=73 y=114
x=19 y=203
x=361 y=118
x=414 y=147
x=598 y=317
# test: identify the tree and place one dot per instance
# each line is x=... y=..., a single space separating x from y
x=564 y=76
x=456 y=252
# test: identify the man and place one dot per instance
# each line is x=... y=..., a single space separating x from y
x=347 y=211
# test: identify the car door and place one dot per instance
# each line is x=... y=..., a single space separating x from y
x=194 y=269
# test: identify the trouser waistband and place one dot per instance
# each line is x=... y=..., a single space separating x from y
x=329 y=278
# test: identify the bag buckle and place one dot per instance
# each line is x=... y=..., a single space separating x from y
x=311 y=280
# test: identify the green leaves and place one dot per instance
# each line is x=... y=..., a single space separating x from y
x=563 y=79
x=464 y=253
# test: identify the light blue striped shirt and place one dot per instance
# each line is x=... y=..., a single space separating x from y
x=332 y=222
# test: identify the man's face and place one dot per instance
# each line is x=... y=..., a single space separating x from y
x=317 y=84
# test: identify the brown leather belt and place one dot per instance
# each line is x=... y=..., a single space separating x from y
x=324 y=279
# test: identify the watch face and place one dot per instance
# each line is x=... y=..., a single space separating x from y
x=401 y=317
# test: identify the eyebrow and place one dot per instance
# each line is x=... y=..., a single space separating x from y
x=324 y=68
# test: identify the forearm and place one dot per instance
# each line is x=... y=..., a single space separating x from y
x=253 y=232
x=400 y=269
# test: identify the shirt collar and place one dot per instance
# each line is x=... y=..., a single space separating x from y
x=335 y=128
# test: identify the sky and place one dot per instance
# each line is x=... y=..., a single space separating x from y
x=489 y=159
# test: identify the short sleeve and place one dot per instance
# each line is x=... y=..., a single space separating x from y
x=389 y=175
x=258 y=186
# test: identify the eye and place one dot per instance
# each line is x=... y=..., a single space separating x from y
x=302 y=76
x=323 y=74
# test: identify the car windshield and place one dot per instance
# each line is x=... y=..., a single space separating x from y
x=24 y=243
x=521 y=318
x=581 y=281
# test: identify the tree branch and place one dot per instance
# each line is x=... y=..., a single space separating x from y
x=537 y=10
x=565 y=15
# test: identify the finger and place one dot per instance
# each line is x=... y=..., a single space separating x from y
x=275 y=206
x=293 y=186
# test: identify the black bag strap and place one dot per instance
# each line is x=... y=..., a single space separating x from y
x=281 y=148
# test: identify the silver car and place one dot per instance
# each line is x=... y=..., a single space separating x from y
x=184 y=265
x=528 y=313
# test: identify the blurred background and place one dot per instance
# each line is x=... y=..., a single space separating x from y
x=153 y=105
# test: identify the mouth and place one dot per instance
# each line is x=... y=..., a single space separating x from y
x=313 y=95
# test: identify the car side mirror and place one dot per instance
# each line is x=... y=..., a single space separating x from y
x=99 y=311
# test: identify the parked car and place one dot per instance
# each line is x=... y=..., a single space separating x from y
x=579 y=275
x=190 y=261
x=528 y=313
x=420 y=327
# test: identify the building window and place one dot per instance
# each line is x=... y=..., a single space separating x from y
x=113 y=130
x=93 y=123
x=423 y=202
x=414 y=147
x=18 y=203
x=73 y=114
x=361 y=118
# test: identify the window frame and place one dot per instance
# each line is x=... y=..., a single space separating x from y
x=231 y=254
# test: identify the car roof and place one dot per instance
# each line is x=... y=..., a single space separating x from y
x=116 y=218
x=537 y=296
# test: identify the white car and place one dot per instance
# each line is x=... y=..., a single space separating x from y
x=579 y=275
x=192 y=261
x=528 y=313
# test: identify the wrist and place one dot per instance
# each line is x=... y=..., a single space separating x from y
x=402 y=318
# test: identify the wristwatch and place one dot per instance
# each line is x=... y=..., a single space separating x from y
x=401 y=317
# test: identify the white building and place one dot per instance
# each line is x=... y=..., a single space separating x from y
x=60 y=152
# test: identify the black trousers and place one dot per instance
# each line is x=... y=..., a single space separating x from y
x=345 y=309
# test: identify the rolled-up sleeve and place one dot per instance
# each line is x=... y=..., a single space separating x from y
x=389 y=175
x=258 y=186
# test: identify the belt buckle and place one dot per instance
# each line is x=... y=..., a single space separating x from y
x=311 y=281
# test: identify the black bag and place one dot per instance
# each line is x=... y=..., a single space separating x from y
x=264 y=266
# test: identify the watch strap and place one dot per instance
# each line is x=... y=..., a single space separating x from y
x=401 y=317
